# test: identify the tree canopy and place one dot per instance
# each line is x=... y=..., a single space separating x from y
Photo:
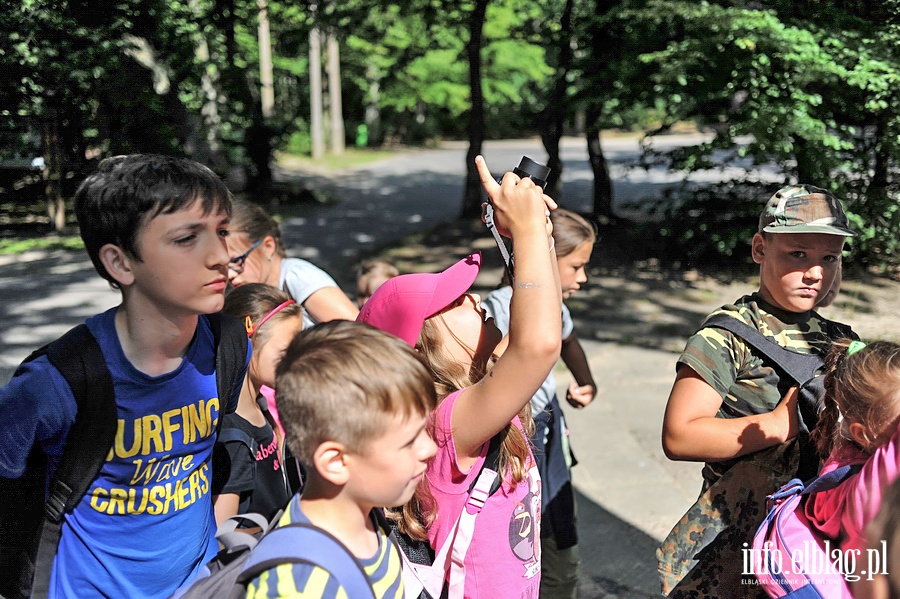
x=807 y=88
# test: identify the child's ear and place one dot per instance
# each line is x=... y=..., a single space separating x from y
x=117 y=263
x=330 y=461
x=860 y=434
x=269 y=247
x=758 y=248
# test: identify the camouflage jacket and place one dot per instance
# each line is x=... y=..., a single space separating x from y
x=702 y=556
x=747 y=385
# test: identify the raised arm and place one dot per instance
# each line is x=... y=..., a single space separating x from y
x=535 y=327
x=691 y=431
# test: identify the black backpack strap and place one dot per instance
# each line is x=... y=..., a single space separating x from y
x=78 y=358
x=230 y=338
x=799 y=367
x=231 y=434
x=236 y=435
x=838 y=330
x=492 y=461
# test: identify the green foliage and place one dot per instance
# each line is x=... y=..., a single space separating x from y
x=809 y=89
x=12 y=247
x=299 y=142
x=409 y=59
x=700 y=226
x=812 y=91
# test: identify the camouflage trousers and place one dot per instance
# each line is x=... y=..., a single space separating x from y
x=704 y=554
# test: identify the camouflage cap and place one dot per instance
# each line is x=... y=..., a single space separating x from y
x=804 y=209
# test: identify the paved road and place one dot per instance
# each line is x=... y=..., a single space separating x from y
x=629 y=494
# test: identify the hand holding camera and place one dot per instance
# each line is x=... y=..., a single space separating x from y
x=511 y=200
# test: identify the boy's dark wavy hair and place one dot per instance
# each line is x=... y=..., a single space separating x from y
x=126 y=192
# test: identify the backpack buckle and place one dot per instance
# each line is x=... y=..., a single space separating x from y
x=56 y=502
x=476 y=501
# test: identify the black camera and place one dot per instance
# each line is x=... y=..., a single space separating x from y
x=538 y=173
x=535 y=170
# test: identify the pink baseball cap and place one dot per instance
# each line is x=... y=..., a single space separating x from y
x=401 y=304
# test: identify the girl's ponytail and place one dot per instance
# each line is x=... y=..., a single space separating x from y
x=862 y=385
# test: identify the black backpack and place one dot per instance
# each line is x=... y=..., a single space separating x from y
x=31 y=527
x=799 y=368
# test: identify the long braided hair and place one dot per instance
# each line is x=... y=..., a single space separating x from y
x=862 y=384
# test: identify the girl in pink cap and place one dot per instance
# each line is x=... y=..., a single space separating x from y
x=484 y=391
x=859 y=424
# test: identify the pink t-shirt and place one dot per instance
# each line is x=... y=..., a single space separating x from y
x=844 y=512
x=504 y=559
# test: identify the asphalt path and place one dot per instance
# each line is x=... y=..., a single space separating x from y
x=629 y=495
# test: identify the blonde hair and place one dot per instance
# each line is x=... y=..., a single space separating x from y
x=515 y=448
x=254 y=222
x=370 y=271
x=344 y=381
x=862 y=387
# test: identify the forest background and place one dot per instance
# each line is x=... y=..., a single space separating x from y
x=808 y=87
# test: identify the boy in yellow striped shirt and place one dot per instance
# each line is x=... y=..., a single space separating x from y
x=354 y=402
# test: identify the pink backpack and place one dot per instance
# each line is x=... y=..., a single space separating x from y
x=789 y=557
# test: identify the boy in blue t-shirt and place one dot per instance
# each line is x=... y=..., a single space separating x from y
x=155 y=228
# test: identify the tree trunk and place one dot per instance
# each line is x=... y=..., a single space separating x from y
x=373 y=109
x=553 y=118
x=317 y=132
x=603 y=193
x=56 y=206
x=472 y=196
x=210 y=150
x=334 y=95
x=266 y=79
x=877 y=200
x=880 y=181
x=809 y=167
x=605 y=47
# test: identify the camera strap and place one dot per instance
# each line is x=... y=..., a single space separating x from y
x=527 y=168
x=508 y=260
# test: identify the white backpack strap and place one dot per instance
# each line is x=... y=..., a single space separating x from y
x=464 y=530
x=449 y=563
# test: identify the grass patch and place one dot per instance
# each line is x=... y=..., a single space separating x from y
x=350 y=158
x=14 y=246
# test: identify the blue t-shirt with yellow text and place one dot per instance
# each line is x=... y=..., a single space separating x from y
x=146 y=524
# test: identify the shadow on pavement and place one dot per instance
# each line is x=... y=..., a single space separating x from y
x=617 y=560
x=43 y=298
